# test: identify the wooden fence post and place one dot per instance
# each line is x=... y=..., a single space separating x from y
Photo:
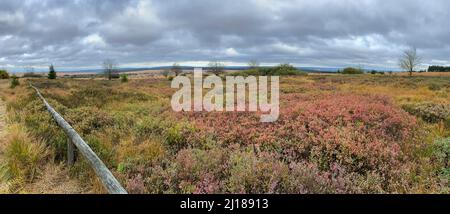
x=70 y=153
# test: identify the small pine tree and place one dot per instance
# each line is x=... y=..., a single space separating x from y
x=14 y=81
x=52 y=73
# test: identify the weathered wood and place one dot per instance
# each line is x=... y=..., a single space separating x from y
x=70 y=153
x=107 y=178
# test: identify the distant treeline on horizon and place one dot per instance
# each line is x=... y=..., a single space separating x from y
x=436 y=68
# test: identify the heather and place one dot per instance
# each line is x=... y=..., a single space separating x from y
x=336 y=134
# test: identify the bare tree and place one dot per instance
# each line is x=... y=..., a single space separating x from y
x=176 y=68
x=216 y=67
x=109 y=68
x=253 y=64
x=410 y=60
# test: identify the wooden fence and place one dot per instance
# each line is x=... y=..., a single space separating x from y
x=107 y=178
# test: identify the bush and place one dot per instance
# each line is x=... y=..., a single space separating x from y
x=190 y=171
x=250 y=174
x=284 y=70
x=124 y=78
x=280 y=70
x=352 y=71
x=14 y=81
x=149 y=151
x=88 y=119
x=441 y=154
x=115 y=76
x=430 y=112
x=32 y=75
x=307 y=178
x=4 y=74
x=180 y=136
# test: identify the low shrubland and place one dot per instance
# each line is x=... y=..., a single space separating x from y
x=336 y=134
x=32 y=75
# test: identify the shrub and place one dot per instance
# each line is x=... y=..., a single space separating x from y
x=131 y=153
x=352 y=71
x=87 y=120
x=124 y=78
x=307 y=178
x=430 y=112
x=191 y=171
x=150 y=127
x=115 y=76
x=180 y=136
x=280 y=70
x=136 y=185
x=32 y=75
x=4 y=74
x=284 y=70
x=252 y=174
x=441 y=154
x=14 y=81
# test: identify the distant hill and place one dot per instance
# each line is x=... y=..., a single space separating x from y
x=190 y=68
x=230 y=68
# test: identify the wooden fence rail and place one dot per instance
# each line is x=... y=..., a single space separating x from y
x=107 y=178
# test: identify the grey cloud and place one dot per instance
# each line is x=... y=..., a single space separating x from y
x=305 y=32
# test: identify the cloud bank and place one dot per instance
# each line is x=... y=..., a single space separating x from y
x=82 y=33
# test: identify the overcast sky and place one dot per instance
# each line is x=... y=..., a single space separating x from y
x=334 y=33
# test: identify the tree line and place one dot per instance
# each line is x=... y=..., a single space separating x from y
x=436 y=68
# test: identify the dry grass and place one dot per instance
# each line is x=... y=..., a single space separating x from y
x=425 y=74
x=55 y=179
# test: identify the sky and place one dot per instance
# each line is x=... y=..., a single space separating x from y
x=81 y=34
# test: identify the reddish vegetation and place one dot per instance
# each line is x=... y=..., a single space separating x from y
x=333 y=136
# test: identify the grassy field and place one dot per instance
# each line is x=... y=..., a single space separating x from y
x=336 y=134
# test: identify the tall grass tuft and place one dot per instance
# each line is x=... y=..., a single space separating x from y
x=23 y=160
